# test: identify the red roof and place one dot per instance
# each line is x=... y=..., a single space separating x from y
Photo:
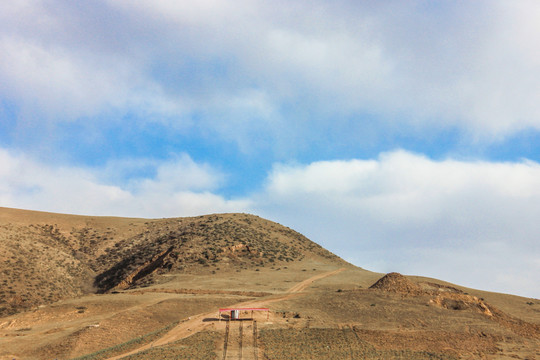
x=242 y=309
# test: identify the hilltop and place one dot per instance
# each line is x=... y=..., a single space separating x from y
x=82 y=287
x=46 y=257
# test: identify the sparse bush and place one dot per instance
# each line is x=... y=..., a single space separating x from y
x=127 y=346
x=304 y=344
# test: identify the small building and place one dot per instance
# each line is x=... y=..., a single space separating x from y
x=235 y=312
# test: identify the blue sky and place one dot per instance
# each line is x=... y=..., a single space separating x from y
x=402 y=135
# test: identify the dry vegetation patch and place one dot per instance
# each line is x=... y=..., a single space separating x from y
x=128 y=345
x=200 y=346
x=331 y=344
x=451 y=343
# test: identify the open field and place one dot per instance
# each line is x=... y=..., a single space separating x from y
x=166 y=307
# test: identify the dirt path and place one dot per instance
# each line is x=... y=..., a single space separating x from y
x=195 y=323
x=240 y=341
x=301 y=286
x=233 y=349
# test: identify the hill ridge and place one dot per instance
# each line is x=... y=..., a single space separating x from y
x=52 y=256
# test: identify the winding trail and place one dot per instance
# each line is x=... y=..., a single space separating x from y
x=195 y=323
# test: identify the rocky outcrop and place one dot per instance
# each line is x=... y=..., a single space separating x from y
x=397 y=283
x=456 y=301
x=142 y=271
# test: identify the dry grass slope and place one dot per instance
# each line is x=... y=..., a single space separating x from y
x=47 y=257
x=199 y=346
x=338 y=344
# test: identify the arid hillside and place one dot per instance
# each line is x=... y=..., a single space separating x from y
x=96 y=288
x=45 y=257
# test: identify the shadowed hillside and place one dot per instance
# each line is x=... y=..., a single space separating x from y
x=47 y=257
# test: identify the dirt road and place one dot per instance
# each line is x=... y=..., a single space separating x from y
x=195 y=323
x=301 y=286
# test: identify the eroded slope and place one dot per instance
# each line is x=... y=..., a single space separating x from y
x=46 y=257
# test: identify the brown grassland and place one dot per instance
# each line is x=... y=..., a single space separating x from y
x=76 y=287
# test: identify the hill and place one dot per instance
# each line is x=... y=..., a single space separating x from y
x=78 y=287
x=46 y=257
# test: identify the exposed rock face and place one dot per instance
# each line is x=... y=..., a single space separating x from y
x=397 y=283
x=143 y=271
x=240 y=249
x=456 y=301
x=442 y=296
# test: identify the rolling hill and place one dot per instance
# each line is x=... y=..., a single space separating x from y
x=105 y=287
x=47 y=257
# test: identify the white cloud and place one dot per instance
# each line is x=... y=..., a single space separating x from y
x=180 y=187
x=53 y=82
x=180 y=174
x=473 y=223
x=471 y=65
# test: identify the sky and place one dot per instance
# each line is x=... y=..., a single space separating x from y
x=401 y=135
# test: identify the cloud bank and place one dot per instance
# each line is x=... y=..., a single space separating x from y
x=178 y=187
x=290 y=69
x=468 y=222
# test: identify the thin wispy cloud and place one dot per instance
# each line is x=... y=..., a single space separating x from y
x=178 y=187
